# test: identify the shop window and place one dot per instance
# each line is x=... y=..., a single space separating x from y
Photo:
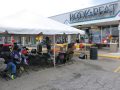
x=115 y=31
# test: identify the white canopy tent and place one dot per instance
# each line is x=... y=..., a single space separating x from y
x=30 y=23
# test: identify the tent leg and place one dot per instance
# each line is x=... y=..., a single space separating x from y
x=54 y=51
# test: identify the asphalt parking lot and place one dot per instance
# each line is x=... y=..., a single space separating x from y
x=102 y=74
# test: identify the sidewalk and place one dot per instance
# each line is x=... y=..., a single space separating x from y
x=103 y=53
x=108 y=54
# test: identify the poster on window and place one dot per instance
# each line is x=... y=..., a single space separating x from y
x=105 y=35
x=96 y=37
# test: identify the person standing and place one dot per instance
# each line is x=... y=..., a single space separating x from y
x=48 y=44
x=39 y=47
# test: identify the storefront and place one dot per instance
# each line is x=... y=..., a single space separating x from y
x=99 y=22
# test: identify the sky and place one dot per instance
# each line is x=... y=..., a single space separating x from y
x=45 y=8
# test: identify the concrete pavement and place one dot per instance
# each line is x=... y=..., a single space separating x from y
x=80 y=75
x=107 y=54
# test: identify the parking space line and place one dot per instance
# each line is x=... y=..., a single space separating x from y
x=117 y=69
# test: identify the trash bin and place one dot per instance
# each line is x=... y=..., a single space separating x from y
x=93 y=53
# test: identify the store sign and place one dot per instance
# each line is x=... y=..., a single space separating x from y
x=99 y=12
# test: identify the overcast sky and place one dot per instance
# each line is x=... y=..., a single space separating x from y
x=45 y=7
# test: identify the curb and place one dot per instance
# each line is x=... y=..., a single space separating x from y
x=101 y=55
x=108 y=56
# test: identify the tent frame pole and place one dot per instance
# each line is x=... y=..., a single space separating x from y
x=54 y=50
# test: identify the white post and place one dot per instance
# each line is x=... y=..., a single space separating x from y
x=85 y=46
x=110 y=33
x=69 y=38
x=54 y=50
x=101 y=35
x=79 y=37
x=23 y=41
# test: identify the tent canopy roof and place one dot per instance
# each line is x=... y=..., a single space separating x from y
x=31 y=23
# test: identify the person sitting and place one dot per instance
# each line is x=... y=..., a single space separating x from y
x=16 y=56
x=24 y=55
x=70 y=51
x=24 y=51
x=11 y=67
x=18 y=60
x=61 y=56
